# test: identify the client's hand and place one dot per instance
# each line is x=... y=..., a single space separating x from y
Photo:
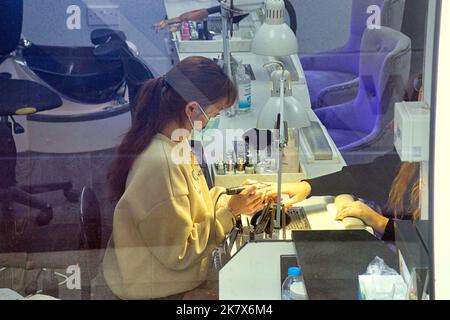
x=258 y=184
x=297 y=192
x=362 y=211
x=249 y=201
x=195 y=15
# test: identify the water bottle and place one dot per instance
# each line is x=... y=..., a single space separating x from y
x=244 y=85
x=293 y=287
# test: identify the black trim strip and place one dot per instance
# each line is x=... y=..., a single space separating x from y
x=114 y=111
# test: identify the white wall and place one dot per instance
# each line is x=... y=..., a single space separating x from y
x=322 y=25
x=45 y=23
x=442 y=169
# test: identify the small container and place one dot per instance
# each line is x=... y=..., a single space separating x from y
x=220 y=168
x=230 y=166
x=240 y=167
x=201 y=33
x=193 y=30
x=185 y=32
x=249 y=169
x=260 y=168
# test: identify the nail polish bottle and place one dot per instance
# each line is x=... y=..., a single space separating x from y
x=230 y=167
x=220 y=168
x=185 y=33
x=240 y=167
x=250 y=169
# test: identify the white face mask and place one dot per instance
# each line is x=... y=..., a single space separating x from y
x=199 y=129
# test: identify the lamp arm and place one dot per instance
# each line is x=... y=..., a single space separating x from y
x=226 y=42
x=280 y=152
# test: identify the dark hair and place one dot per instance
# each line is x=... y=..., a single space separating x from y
x=162 y=100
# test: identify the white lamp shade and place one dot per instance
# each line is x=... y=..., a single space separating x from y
x=275 y=40
x=295 y=115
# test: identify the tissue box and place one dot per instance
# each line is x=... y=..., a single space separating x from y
x=382 y=287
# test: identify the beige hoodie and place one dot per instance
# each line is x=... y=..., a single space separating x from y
x=163 y=231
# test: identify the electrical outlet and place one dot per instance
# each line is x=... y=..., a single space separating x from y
x=103 y=15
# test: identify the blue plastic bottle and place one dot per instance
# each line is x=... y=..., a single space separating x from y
x=293 y=287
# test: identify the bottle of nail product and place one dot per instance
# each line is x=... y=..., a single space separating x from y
x=230 y=167
x=185 y=32
x=220 y=168
x=249 y=169
x=193 y=30
x=240 y=167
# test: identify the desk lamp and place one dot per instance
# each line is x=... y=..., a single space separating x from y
x=275 y=38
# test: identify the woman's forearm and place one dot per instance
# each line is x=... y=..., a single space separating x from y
x=380 y=223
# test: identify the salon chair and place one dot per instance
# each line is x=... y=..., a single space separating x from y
x=332 y=76
x=21 y=97
x=72 y=71
x=360 y=127
x=112 y=45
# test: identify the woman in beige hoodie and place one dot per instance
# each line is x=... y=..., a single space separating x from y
x=164 y=229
